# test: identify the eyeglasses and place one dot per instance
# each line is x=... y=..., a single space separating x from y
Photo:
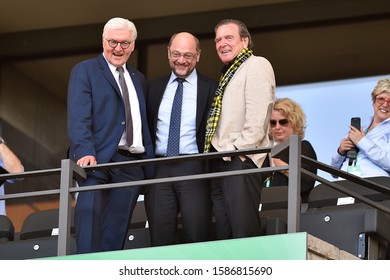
x=282 y=122
x=381 y=100
x=187 y=56
x=114 y=43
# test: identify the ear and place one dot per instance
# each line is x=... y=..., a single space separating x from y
x=133 y=46
x=246 y=41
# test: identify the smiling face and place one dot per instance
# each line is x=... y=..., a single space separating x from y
x=183 y=54
x=228 y=42
x=382 y=107
x=118 y=56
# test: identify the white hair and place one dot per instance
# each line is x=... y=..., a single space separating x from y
x=118 y=22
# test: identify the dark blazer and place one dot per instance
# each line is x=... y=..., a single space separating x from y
x=307 y=183
x=206 y=91
x=96 y=117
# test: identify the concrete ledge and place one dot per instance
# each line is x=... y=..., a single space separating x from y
x=318 y=249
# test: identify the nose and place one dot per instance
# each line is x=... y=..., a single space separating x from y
x=222 y=42
x=118 y=47
x=181 y=59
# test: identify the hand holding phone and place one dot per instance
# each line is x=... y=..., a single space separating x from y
x=352 y=153
x=355 y=122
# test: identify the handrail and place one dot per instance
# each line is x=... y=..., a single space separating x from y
x=69 y=171
x=359 y=180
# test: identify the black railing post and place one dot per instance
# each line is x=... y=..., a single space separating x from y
x=294 y=185
x=292 y=146
x=69 y=170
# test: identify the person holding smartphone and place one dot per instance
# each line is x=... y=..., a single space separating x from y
x=372 y=156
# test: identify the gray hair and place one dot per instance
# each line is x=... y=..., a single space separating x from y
x=242 y=30
x=116 y=23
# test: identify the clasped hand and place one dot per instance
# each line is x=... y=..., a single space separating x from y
x=354 y=136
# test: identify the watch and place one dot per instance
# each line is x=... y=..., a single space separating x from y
x=2 y=141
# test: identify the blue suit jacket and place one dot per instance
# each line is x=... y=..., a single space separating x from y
x=96 y=112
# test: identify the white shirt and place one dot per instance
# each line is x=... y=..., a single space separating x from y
x=137 y=146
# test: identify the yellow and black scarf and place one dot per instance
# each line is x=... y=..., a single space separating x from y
x=216 y=107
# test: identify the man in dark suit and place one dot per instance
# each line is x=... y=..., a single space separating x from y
x=99 y=131
x=189 y=198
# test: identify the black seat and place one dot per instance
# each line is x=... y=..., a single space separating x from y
x=138 y=234
x=42 y=224
x=7 y=229
x=275 y=197
x=139 y=218
x=323 y=195
x=274 y=203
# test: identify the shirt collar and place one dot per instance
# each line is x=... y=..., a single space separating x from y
x=191 y=79
x=113 y=68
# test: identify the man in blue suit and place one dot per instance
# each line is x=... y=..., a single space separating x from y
x=99 y=133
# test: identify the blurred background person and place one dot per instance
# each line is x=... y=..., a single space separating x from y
x=9 y=163
x=287 y=119
x=372 y=140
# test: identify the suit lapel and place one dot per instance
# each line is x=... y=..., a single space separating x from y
x=201 y=102
x=160 y=92
x=108 y=74
x=137 y=85
x=155 y=96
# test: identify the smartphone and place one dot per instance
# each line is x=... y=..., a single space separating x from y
x=355 y=122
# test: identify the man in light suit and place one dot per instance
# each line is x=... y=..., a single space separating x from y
x=239 y=119
x=97 y=129
x=189 y=198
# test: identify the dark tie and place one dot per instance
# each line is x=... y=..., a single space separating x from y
x=125 y=96
x=174 y=126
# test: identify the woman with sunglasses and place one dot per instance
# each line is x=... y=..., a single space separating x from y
x=372 y=141
x=287 y=119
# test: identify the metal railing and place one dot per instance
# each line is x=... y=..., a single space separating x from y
x=69 y=171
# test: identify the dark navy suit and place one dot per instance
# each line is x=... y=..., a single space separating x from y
x=96 y=122
x=190 y=198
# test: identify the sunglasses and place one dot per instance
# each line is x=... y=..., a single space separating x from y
x=282 y=122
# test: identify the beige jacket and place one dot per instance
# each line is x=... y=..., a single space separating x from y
x=246 y=109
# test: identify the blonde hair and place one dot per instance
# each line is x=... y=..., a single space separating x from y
x=294 y=113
